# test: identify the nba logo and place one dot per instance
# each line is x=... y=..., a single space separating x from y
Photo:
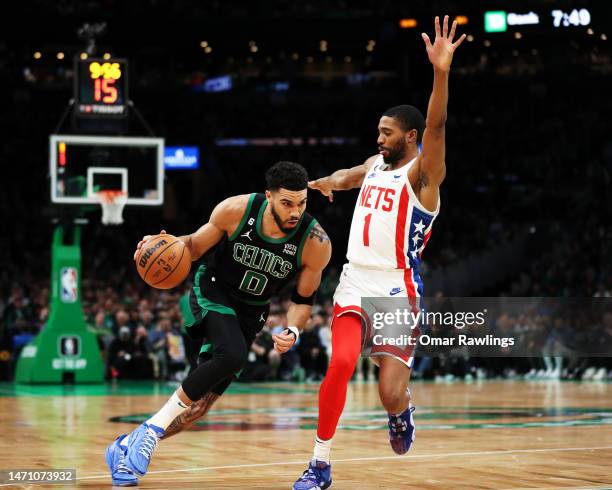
x=68 y=285
x=69 y=346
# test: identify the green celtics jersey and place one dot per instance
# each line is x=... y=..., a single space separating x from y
x=250 y=266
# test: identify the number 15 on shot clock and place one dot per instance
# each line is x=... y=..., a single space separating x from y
x=101 y=88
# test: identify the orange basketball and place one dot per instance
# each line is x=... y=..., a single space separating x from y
x=163 y=262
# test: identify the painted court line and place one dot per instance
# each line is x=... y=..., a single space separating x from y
x=100 y=476
x=372 y=458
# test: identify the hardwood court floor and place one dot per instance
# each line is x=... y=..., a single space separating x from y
x=482 y=435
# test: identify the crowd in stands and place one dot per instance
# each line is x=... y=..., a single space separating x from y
x=141 y=336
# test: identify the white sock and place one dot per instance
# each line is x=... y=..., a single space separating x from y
x=124 y=442
x=322 y=449
x=172 y=409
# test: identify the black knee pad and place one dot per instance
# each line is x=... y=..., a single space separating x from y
x=233 y=361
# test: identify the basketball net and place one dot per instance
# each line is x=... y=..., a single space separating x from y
x=112 y=202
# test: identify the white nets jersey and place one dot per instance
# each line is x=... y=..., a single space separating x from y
x=390 y=227
x=389 y=231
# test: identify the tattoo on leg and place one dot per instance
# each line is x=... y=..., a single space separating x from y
x=196 y=411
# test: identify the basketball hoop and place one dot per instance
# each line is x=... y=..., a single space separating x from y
x=112 y=202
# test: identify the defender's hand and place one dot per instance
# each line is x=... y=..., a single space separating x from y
x=144 y=240
x=440 y=53
x=283 y=342
x=324 y=186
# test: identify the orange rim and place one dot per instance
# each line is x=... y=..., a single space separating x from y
x=110 y=196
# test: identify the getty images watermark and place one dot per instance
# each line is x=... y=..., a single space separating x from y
x=489 y=326
x=387 y=323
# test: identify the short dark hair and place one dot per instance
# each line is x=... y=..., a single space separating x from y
x=409 y=118
x=288 y=175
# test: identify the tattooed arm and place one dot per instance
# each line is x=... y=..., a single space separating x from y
x=315 y=257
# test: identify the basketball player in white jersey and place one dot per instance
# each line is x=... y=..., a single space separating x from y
x=397 y=205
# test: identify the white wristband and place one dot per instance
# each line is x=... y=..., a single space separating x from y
x=295 y=331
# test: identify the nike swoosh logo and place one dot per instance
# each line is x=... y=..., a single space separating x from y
x=393 y=293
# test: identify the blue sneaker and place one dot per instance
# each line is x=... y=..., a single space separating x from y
x=141 y=445
x=316 y=477
x=402 y=431
x=121 y=475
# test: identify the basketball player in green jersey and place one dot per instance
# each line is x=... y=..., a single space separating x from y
x=253 y=245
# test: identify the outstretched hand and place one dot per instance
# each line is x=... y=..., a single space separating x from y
x=440 y=53
x=324 y=186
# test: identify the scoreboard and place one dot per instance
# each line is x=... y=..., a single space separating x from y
x=101 y=88
x=538 y=19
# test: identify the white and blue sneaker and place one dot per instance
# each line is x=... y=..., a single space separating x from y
x=141 y=444
x=402 y=431
x=121 y=475
x=316 y=477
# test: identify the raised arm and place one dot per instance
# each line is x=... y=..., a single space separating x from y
x=315 y=257
x=342 y=180
x=432 y=166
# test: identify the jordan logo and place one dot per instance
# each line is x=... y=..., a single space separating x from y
x=248 y=234
x=261 y=318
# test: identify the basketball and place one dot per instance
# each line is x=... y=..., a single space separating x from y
x=163 y=262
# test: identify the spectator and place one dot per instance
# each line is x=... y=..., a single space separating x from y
x=17 y=308
x=263 y=360
x=177 y=360
x=100 y=329
x=313 y=356
x=143 y=364
x=120 y=355
x=158 y=338
x=122 y=319
x=147 y=319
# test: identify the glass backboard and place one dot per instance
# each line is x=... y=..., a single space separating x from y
x=80 y=166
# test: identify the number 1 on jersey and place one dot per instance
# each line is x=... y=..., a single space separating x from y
x=366 y=230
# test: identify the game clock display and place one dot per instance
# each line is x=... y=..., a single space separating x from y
x=575 y=17
x=539 y=20
x=101 y=88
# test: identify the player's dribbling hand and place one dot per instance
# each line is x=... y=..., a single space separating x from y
x=283 y=342
x=144 y=240
x=323 y=186
x=440 y=53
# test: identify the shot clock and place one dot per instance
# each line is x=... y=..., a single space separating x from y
x=101 y=88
